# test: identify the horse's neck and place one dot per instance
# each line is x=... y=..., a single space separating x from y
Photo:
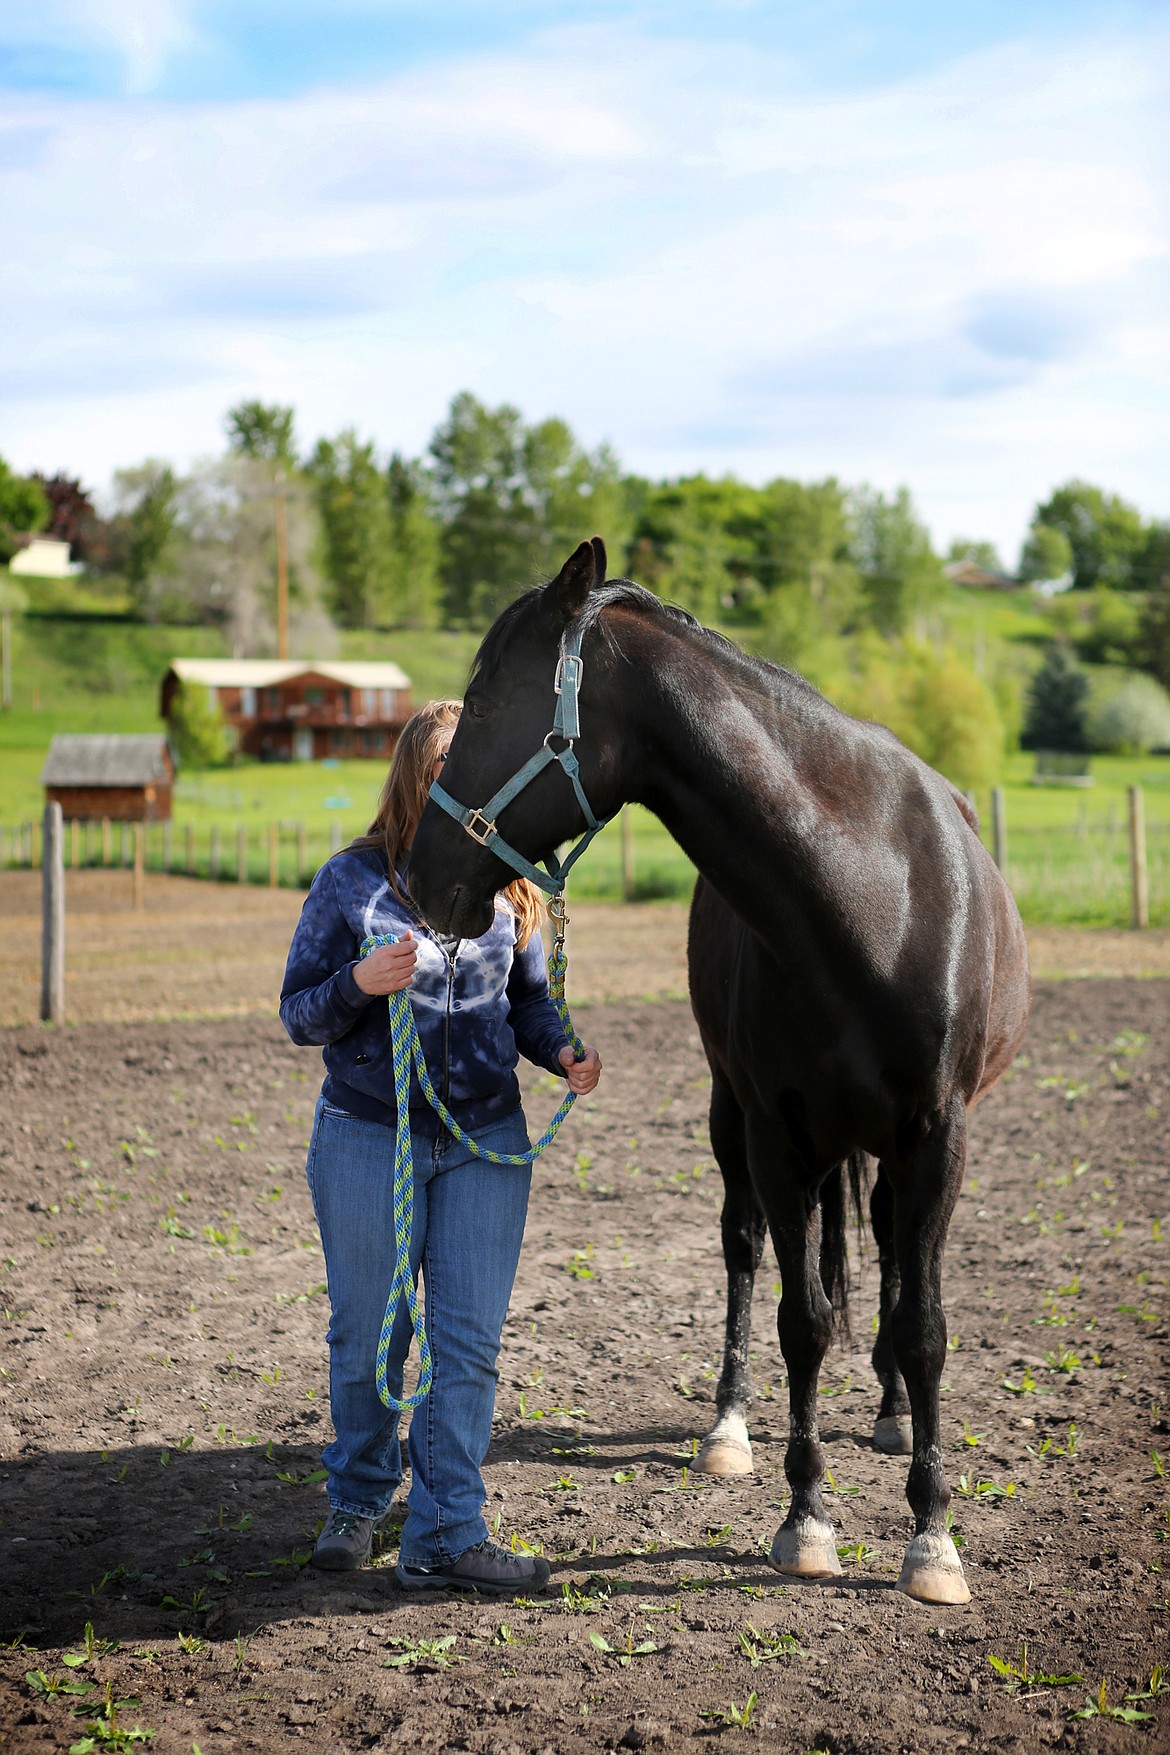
x=724 y=763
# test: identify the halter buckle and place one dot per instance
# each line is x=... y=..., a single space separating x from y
x=480 y=828
x=574 y=680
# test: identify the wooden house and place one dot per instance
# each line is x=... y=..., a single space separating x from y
x=128 y=779
x=290 y=710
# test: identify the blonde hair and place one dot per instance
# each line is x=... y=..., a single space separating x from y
x=404 y=796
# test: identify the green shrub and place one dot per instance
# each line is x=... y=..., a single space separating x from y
x=198 y=731
x=1133 y=720
x=936 y=704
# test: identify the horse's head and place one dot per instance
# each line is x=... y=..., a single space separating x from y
x=507 y=718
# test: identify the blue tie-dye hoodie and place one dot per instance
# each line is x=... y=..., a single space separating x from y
x=476 y=1001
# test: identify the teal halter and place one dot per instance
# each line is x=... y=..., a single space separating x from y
x=481 y=823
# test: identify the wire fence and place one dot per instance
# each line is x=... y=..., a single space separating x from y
x=1107 y=867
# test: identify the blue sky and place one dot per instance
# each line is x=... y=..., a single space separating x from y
x=892 y=242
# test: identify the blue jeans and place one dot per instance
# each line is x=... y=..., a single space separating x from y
x=468 y=1225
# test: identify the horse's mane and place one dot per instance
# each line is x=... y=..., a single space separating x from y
x=623 y=593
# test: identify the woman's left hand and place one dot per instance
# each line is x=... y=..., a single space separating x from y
x=582 y=1075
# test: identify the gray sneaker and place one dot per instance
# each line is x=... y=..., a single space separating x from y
x=487 y=1568
x=345 y=1543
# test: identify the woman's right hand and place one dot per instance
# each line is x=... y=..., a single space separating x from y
x=388 y=968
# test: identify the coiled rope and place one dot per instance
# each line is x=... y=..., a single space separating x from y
x=406 y=1051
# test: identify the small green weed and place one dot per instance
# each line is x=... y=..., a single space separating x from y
x=1100 y=1708
x=1020 y=1675
x=762 y=1648
x=733 y=1714
x=423 y=1655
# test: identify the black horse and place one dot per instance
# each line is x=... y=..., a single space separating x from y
x=858 y=967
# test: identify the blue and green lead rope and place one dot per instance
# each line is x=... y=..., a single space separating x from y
x=406 y=1050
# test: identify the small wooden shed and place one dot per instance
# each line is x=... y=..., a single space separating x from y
x=128 y=779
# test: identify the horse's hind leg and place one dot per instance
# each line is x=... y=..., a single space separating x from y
x=727 y=1449
x=805 y=1545
x=892 y=1428
x=926 y=1185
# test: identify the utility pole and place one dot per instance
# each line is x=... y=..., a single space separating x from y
x=281 y=564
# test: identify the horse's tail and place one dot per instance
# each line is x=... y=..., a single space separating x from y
x=845 y=1186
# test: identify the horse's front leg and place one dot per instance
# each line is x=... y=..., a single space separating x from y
x=806 y=1542
x=727 y=1448
x=892 y=1432
x=926 y=1185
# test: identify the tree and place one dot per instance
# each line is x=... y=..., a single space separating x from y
x=222 y=566
x=265 y=430
x=900 y=573
x=23 y=509
x=1133 y=720
x=1154 y=642
x=73 y=517
x=1046 y=554
x=143 y=528
x=981 y=554
x=354 y=508
x=1056 y=712
x=511 y=501
x=1105 y=533
x=201 y=736
x=414 y=545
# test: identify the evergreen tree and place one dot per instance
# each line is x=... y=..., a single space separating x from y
x=265 y=430
x=1057 y=708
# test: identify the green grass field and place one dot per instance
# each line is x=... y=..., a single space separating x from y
x=1067 y=849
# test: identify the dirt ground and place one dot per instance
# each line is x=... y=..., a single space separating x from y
x=163 y=1405
x=212 y=950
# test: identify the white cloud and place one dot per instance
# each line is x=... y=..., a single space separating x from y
x=952 y=281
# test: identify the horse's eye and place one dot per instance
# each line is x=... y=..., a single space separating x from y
x=478 y=709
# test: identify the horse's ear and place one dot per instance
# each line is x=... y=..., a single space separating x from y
x=576 y=578
x=598 y=548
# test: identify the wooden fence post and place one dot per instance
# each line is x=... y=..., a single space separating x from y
x=107 y=839
x=999 y=828
x=213 y=856
x=189 y=836
x=126 y=843
x=241 y=853
x=627 y=855
x=273 y=855
x=166 y=852
x=139 y=838
x=53 y=918
x=1139 y=887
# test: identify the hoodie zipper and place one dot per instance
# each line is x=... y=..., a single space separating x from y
x=451 y=956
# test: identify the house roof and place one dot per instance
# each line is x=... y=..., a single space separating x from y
x=262 y=673
x=74 y=760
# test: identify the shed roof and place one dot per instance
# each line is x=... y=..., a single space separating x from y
x=262 y=673
x=75 y=760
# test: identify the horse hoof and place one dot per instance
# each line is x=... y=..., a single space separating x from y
x=808 y=1550
x=932 y=1573
x=894 y=1435
x=726 y=1450
x=722 y=1456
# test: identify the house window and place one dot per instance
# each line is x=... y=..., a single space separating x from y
x=371 y=741
x=248 y=703
x=272 y=700
x=314 y=697
x=386 y=703
x=342 y=742
x=368 y=699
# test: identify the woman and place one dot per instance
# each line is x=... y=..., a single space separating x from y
x=476 y=1002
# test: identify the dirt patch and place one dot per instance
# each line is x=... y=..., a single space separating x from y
x=163 y=1401
x=215 y=950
